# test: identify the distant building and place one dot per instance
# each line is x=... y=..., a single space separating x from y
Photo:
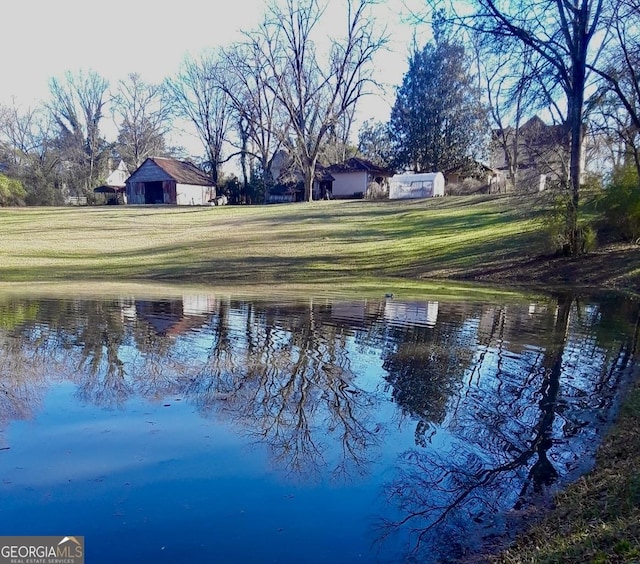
x=160 y=180
x=541 y=153
x=472 y=177
x=289 y=181
x=359 y=178
x=115 y=185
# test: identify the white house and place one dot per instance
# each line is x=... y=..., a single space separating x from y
x=416 y=185
x=118 y=177
x=114 y=187
x=358 y=178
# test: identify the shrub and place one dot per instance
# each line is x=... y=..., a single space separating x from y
x=557 y=225
x=377 y=191
x=11 y=192
x=621 y=204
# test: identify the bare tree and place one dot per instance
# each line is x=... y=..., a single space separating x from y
x=260 y=118
x=200 y=100
x=18 y=137
x=77 y=105
x=316 y=89
x=374 y=143
x=561 y=32
x=504 y=79
x=143 y=111
x=337 y=147
x=619 y=71
x=27 y=148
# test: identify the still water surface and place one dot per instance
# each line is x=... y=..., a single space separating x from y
x=212 y=428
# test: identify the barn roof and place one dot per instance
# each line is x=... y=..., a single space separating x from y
x=183 y=172
x=355 y=164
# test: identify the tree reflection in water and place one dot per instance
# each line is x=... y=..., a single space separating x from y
x=500 y=398
x=283 y=376
x=503 y=431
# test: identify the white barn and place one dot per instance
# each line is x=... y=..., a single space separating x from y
x=416 y=185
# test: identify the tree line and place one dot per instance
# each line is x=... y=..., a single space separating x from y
x=282 y=87
x=287 y=88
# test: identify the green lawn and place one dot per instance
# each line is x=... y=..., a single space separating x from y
x=328 y=242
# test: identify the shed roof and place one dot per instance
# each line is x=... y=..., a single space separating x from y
x=183 y=172
x=356 y=164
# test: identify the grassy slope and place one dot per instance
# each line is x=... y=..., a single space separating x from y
x=341 y=244
x=358 y=246
x=489 y=239
x=303 y=242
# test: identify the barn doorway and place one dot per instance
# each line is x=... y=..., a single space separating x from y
x=153 y=193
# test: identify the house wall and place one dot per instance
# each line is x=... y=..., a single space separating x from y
x=349 y=184
x=542 y=154
x=119 y=176
x=191 y=195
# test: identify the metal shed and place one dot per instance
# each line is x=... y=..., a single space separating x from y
x=416 y=185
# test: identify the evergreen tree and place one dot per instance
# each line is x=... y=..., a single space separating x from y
x=437 y=121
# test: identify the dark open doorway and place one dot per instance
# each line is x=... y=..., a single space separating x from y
x=153 y=193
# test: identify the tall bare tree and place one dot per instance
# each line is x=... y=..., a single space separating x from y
x=505 y=81
x=561 y=32
x=337 y=147
x=258 y=113
x=143 y=114
x=316 y=89
x=621 y=79
x=199 y=99
x=77 y=106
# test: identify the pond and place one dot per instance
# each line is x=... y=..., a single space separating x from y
x=205 y=427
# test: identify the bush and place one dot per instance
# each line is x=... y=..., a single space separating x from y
x=377 y=191
x=621 y=204
x=558 y=229
x=11 y=192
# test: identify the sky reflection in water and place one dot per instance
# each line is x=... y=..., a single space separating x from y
x=210 y=428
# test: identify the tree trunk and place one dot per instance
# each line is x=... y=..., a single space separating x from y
x=309 y=170
x=576 y=109
x=308 y=187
